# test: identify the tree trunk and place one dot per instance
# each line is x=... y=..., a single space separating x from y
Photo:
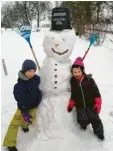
x=98 y=13
x=38 y=20
x=27 y=22
x=38 y=24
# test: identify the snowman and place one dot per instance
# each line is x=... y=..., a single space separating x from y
x=55 y=76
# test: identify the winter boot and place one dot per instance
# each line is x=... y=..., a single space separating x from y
x=101 y=137
x=13 y=148
x=25 y=129
x=83 y=127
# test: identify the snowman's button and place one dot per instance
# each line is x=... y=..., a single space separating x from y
x=55 y=81
x=55 y=87
x=55 y=70
x=55 y=76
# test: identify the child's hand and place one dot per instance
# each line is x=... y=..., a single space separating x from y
x=26 y=117
x=70 y=105
x=69 y=109
x=97 y=105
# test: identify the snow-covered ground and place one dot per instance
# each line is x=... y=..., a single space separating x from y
x=99 y=62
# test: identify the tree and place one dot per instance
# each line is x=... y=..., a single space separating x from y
x=37 y=9
x=6 y=15
x=81 y=14
x=57 y=3
x=85 y=14
x=23 y=12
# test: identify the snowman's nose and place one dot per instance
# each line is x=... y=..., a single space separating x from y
x=56 y=45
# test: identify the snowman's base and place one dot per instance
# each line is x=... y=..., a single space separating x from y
x=53 y=117
x=44 y=136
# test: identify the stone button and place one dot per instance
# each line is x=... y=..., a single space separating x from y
x=55 y=87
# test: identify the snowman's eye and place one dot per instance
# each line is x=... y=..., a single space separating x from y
x=52 y=38
x=63 y=39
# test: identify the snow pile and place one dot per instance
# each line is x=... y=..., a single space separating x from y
x=99 y=62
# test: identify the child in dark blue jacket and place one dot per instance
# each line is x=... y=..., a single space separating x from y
x=28 y=97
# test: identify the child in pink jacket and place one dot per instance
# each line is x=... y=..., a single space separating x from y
x=85 y=96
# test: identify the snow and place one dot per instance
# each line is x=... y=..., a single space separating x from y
x=99 y=62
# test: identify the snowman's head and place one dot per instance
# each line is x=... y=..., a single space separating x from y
x=58 y=46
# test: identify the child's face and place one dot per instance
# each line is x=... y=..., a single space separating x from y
x=77 y=73
x=30 y=73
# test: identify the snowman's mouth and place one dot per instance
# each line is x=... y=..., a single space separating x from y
x=59 y=53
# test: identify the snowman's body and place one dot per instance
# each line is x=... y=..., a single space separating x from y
x=55 y=84
x=55 y=76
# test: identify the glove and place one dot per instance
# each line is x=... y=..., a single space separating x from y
x=71 y=105
x=97 y=105
x=26 y=117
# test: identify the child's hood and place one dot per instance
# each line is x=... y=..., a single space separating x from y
x=89 y=75
x=22 y=76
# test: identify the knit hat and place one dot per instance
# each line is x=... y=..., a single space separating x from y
x=28 y=65
x=79 y=62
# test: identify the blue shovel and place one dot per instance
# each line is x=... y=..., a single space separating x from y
x=93 y=38
x=25 y=32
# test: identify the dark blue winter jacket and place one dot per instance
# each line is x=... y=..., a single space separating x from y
x=27 y=93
